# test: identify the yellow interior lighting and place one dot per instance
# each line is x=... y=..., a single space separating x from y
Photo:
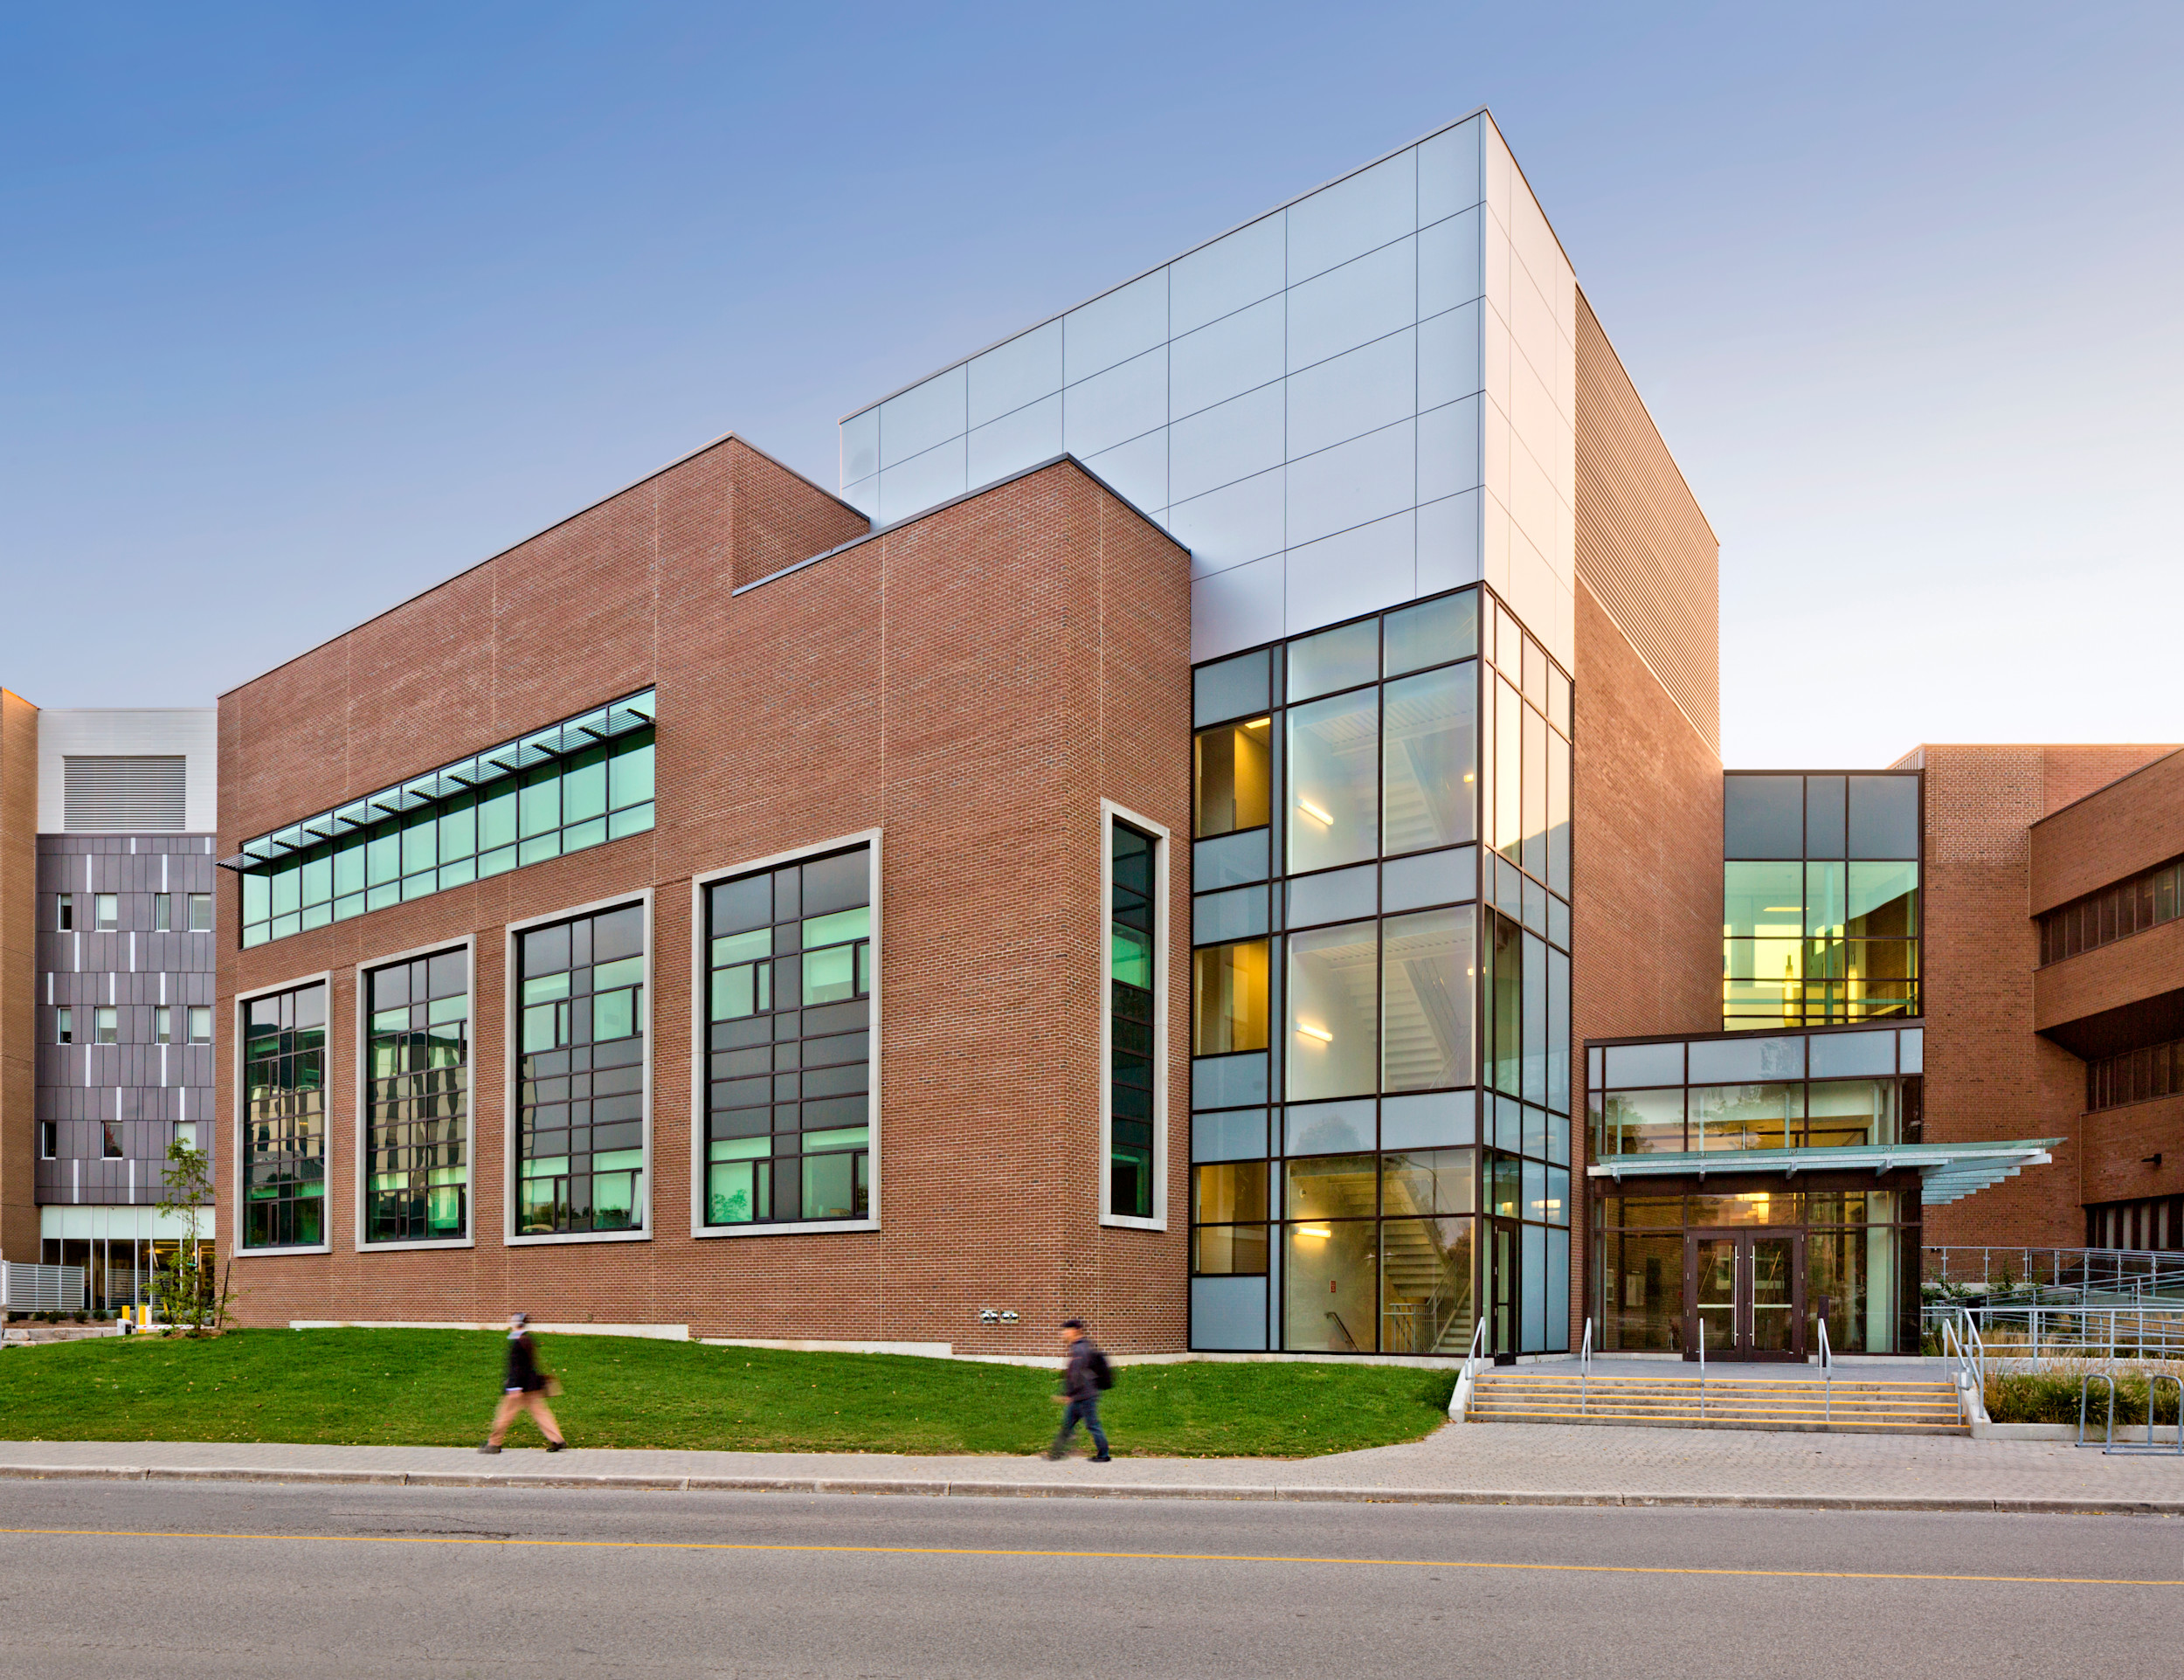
x=1318 y=1033
x=1314 y=812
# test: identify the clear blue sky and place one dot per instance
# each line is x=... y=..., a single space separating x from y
x=303 y=309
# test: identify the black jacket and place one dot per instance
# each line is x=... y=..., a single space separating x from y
x=523 y=1372
x=1077 y=1381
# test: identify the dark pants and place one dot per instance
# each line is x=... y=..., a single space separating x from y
x=1088 y=1409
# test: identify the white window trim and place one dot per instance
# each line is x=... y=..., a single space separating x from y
x=512 y=1086
x=468 y=945
x=241 y=1008
x=1164 y=935
x=699 y=989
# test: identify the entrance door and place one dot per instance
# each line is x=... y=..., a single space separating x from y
x=1501 y=1291
x=1747 y=1294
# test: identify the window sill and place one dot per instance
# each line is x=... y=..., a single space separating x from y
x=268 y=1254
x=1128 y=1222
x=577 y=1236
x=800 y=1229
x=419 y=1242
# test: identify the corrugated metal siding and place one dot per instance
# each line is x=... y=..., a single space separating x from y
x=1644 y=548
x=115 y=795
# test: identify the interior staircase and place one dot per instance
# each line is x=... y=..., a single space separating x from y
x=1680 y=1401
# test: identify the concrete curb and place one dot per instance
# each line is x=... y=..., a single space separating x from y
x=1006 y=1489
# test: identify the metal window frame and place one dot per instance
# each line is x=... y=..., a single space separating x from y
x=238 y=1013
x=699 y=1053
x=468 y=945
x=512 y=1075
x=1163 y=843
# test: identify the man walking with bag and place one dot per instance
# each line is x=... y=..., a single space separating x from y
x=525 y=1390
x=1085 y=1373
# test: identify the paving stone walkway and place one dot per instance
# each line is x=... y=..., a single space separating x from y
x=1466 y=1463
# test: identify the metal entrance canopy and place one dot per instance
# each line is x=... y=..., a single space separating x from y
x=1948 y=1172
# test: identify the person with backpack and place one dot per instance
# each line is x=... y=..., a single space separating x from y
x=525 y=1389
x=1085 y=1374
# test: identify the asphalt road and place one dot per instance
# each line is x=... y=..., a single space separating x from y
x=117 y=1579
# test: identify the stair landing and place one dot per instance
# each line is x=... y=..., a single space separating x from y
x=1851 y=1405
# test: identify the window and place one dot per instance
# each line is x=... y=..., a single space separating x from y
x=48 y=1140
x=162 y=912
x=561 y=789
x=1228 y=1219
x=200 y=1024
x=106 y=909
x=1133 y=970
x=112 y=1150
x=789 y=1043
x=63 y=1025
x=283 y=1165
x=107 y=1023
x=580 y=1118
x=200 y=912
x=186 y=1133
x=417 y=1161
x=1228 y=1001
x=2113 y=913
x=64 y=912
x=2135 y=1075
x=162 y=1025
x=1230 y=776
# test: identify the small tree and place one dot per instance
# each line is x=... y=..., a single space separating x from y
x=185 y=1283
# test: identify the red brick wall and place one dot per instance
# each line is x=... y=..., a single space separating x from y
x=18 y=979
x=972 y=683
x=1988 y=1075
x=1646 y=862
x=2125 y=829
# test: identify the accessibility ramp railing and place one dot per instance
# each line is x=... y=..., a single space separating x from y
x=1468 y=1372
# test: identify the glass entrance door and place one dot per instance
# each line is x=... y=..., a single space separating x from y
x=1747 y=1294
x=1501 y=1291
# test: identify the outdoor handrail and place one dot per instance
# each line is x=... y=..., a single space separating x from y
x=1701 y=1365
x=1585 y=1364
x=1826 y=1374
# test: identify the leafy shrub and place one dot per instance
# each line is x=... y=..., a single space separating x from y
x=2052 y=1397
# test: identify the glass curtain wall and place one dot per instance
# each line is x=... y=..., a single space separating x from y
x=580 y=1113
x=789 y=1043
x=417 y=1100
x=1820 y=898
x=284 y=1119
x=561 y=789
x=1380 y=985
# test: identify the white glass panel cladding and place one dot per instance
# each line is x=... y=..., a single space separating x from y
x=1362 y=398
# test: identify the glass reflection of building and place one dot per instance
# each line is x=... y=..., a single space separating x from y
x=1757 y=1250
x=1819 y=897
x=1380 y=1140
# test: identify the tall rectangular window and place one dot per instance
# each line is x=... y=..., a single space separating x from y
x=48 y=1140
x=200 y=912
x=789 y=1043
x=162 y=912
x=580 y=1126
x=200 y=1024
x=64 y=912
x=63 y=1025
x=106 y=911
x=162 y=1025
x=1133 y=946
x=284 y=1118
x=107 y=1025
x=417 y=1100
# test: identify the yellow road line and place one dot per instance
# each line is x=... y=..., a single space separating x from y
x=1119 y=1557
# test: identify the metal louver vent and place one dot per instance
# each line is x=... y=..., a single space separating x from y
x=115 y=795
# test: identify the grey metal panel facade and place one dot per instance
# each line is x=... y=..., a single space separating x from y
x=135 y=1090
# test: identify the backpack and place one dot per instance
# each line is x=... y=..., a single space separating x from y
x=1102 y=1372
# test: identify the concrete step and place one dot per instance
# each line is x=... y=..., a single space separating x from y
x=1793 y=1403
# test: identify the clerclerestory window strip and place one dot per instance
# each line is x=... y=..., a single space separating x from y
x=557 y=790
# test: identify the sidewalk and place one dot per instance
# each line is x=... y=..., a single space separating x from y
x=1472 y=1463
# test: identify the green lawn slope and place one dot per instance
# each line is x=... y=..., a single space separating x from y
x=432 y=1387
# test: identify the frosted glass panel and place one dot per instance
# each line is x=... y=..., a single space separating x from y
x=931 y=477
x=921 y=416
x=861 y=445
x=1221 y=445
x=1238 y=269
x=1026 y=369
x=1105 y=409
x=1348 y=396
x=1238 y=522
x=1015 y=441
x=1449 y=263
x=1449 y=172
x=1364 y=478
x=1127 y=322
x=1233 y=355
x=1362 y=301
x=1353 y=217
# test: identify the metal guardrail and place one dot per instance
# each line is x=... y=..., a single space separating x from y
x=1826 y=1374
x=1467 y=1373
x=2134 y=1272
x=2038 y=1333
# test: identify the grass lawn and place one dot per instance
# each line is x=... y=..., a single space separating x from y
x=436 y=1387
